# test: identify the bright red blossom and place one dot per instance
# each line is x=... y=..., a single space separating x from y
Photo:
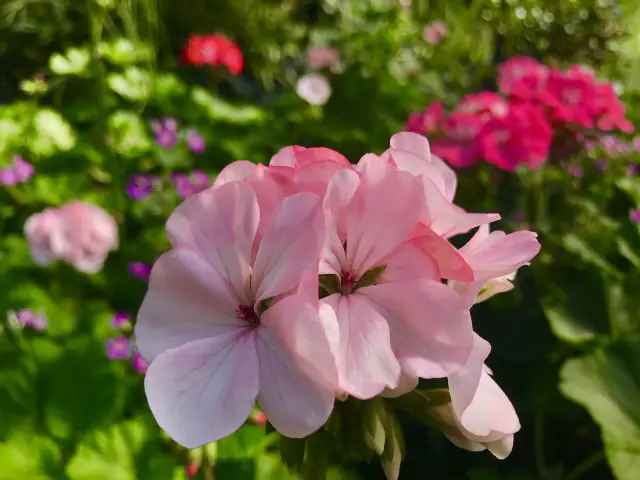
x=214 y=50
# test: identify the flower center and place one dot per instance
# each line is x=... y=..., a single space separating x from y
x=248 y=315
x=348 y=280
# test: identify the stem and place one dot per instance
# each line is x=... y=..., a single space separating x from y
x=538 y=444
x=587 y=464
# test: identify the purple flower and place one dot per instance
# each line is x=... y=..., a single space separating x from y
x=28 y=318
x=8 y=177
x=194 y=141
x=602 y=165
x=200 y=179
x=140 y=186
x=139 y=364
x=22 y=169
x=635 y=143
x=120 y=320
x=140 y=270
x=166 y=138
x=118 y=348
x=632 y=170
x=634 y=215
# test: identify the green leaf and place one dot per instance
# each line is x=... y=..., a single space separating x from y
x=125 y=451
x=122 y=51
x=420 y=403
x=245 y=443
x=391 y=457
x=53 y=133
x=98 y=391
x=218 y=109
x=166 y=86
x=270 y=467
x=11 y=137
x=74 y=62
x=134 y=84
x=607 y=383
x=292 y=452
x=35 y=86
x=373 y=417
x=576 y=245
x=127 y=133
x=28 y=456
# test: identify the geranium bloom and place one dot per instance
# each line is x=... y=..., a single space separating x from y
x=314 y=88
x=610 y=111
x=36 y=320
x=213 y=50
x=434 y=32
x=522 y=77
x=118 y=348
x=428 y=121
x=459 y=147
x=217 y=339
x=324 y=57
x=19 y=171
x=522 y=137
x=486 y=105
x=79 y=233
x=140 y=186
x=572 y=96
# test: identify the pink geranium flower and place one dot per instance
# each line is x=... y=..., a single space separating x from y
x=522 y=77
x=324 y=57
x=434 y=32
x=572 y=96
x=522 y=137
x=216 y=339
x=428 y=121
x=486 y=105
x=459 y=147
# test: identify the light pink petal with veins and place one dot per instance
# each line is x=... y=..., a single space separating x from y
x=204 y=390
x=235 y=172
x=384 y=211
x=219 y=225
x=448 y=259
x=431 y=331
x=294 y=403
x=187 y=300
x=366 y=363
x=290 y=245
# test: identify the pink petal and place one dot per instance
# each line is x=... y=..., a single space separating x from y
x=310 y=336
x=415 y=165
x=204 y=390
x=407 y=384
x=291 y=244
x=187 y=300
x=478 y=402
x=449 y=176
x=430 y=324
x=366 y=363
x=235 y=172
x=286 y=157
x=409 y=262
x=315 y=177
x=321 y=154
x=383 y=213
x=450 y=263
x=294 y=403
x=219 y=225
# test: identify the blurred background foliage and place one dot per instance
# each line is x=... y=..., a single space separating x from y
x=79 y=80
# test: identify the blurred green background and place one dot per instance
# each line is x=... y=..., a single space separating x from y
x=81 y=79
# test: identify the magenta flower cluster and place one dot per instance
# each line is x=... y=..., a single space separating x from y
x=18 y=172
x=121 y=347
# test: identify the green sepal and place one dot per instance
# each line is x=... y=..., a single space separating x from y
x=373 y=418
x=370 y=277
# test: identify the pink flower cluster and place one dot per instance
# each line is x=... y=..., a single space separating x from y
x=233 y=314
x=81 y=234
x=20 y=171
x=518 y=125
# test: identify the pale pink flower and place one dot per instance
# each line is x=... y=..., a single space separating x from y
x=314 y=88
x=495 y=257
x=215 y=340
x=324 y=57
x=81 y=234
x=434 y=32
x=405 y=319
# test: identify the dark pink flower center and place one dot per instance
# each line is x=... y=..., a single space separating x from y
x=348 y=280
x=248 y=315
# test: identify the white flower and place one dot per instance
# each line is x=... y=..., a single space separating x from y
x=314 y=88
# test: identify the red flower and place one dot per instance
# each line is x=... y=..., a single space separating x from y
x=522 y=77
x=459 y=147
x=572 y=96
x=485 y=105
x=427 y=121
x=610 y=110
x=213 y=50
x=522 y=137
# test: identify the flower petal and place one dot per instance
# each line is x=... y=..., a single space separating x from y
x=431 y=331
x=291 y=245
x=235 y=172
x=220 y=225
x=451 y=264
x=366 y=363
x=294 y=403
x=187 y=300
x=204 y=390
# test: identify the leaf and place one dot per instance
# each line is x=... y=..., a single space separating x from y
x=391 y=458
x=167 y=85
x=122 y=51
x=373 y=423
x=245 y=443
x=127 y=134
x=218 y=109
x=607 y=383
x=269 y=467
x=134 y=84
x=292 y=451
x=579 y=247
x=125 y=451
x=74 y=62
x=53 y=133
x=419 y=403
x=97 y=392
x=28 y=456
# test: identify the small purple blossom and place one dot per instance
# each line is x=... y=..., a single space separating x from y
x=187 y=185
x=120 y=320
x=36 y=320
x=195 y=142
x=140 y=270
x=634 y=215
x=140 y=186
x=118 y=348
x=8 y=177
x=139 y=364
x=575 y=170
x=22 y=169
x=166 y=131
x=632 y=170
x=602 y=165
